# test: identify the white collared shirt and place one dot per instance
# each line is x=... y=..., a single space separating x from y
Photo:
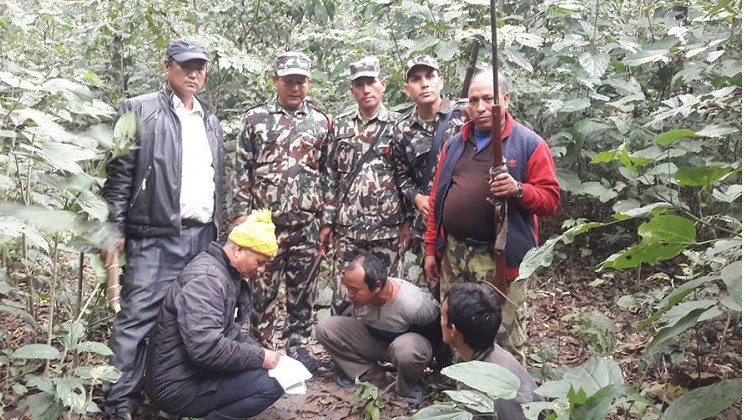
x=197 y=171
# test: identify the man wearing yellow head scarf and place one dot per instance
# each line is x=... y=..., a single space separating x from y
x=199 y=364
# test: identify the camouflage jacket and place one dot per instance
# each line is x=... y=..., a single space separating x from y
x=412 y=140
x=373 y=208
x=280 y=163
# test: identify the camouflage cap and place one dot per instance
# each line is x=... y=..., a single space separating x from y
x=421 y=60
x=184 y=49
x=293 y=62
x=366 y=67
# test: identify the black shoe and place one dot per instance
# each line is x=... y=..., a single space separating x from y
x=304 y=357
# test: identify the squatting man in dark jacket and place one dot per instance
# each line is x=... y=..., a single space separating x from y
x=166 y=196
x=198 y=361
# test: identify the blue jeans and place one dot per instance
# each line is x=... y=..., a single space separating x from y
x=234 y=395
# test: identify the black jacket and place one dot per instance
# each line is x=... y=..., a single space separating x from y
x=197 y=333
x=143 y=186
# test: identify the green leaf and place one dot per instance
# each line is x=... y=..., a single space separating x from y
x=664 y=237
x=517 y=58
x=643 y=57
x=542 y=256
x=489 y=378
x=94 y=347
x=599 y=405
x=595 y=374
x=43 y=406
x=74 y=332
x=598 y=190
x=442 y=411
x=671 y=136
x=668 y=334
x=594 y=64
x=731 y=275
x=717 y=130
x=72 y=393
x=36 y=351
x=575 y=105
x=473 y=400
x=702 y=176
x=705 y=402
x=126 y=128
x=655 y=208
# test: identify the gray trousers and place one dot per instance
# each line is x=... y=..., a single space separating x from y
x=152 y=265
x=356 y=351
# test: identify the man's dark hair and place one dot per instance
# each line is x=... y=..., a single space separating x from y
x=374 y=269
x=475 y=310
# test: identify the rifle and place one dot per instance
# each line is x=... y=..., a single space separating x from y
x=470 y=69
x=498 y=166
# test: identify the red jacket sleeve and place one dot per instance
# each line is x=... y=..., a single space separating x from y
x=542 y=193
x=430 y=237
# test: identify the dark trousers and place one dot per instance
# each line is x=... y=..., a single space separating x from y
x=152 y=266
x=234 y=396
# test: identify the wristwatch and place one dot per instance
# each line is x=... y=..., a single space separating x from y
x=519 y=192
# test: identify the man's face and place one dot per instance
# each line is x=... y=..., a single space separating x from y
x=448 y=331
x=249 y=264
x=186 y=78
x=357 y=290
x=291 y=89
x=480 y=100
x=424 y=85
x=367 y=92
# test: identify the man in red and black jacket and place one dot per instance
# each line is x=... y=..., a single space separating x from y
x=460 y=234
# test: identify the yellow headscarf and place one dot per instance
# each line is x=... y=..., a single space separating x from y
x=256 y=233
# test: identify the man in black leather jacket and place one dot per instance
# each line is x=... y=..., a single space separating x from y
x=166 y=196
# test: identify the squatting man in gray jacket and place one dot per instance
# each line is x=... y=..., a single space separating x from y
x=199 y=364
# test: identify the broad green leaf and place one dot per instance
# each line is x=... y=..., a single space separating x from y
x=517 y=58
x=575 y=105
x=644 y=57
x=655 y=208
x=599 y=405
x=36 y=351
x=126 y=128
x=71 y=392
x=43 y=406
x=102 y=373
x=74 y=332
x=489 y=378
x=731 y=275
x=446 y=50
x=473 y=400
x=702 y=176
x=598 y=190
x=93 y=347
x=664 y=237
x=604 y=157
x=442 y=411
x=594 y=64
x=542 y=256
x=595 y=374
x=705 y=402
x=671 y=136
x=42 y=383
x=732 y=193
x=587 y=128
x=717 y=130
x=669 y=333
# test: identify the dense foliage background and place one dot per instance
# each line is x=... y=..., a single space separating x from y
x=640 y=102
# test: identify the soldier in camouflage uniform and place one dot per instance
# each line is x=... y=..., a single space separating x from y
x=368 y=211
x=281 y=156
x=413 y=137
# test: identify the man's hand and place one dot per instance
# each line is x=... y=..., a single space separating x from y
x=271 y=359
x=110 y=257
x=404 y=237
x=431 y=270
x=422 y=204
x=325 y=238
x=503 y=185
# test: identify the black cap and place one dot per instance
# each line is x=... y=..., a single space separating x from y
x=185 y=49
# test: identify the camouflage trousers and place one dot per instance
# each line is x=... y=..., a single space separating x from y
x=346 y=249
x=291 y=267
x=463 y=263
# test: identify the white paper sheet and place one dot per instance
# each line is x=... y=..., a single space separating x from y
x=291 y=375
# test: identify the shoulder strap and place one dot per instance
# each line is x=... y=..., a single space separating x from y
x=436 y=145
x=366 y=157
